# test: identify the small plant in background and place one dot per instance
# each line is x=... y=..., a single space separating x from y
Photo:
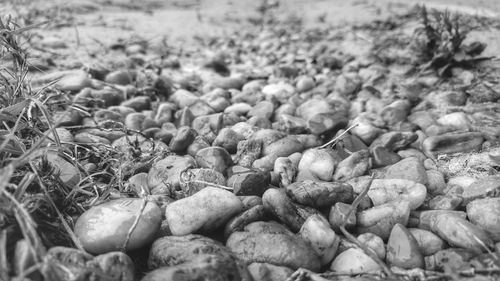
x=439 y=42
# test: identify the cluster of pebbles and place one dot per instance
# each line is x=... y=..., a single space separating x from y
x=231 y=178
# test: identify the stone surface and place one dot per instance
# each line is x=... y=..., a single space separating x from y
x=386 y=190
x=403 y=250
x=104 y=228
x=204 y=211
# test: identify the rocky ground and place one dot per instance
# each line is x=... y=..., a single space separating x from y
x=219 y=140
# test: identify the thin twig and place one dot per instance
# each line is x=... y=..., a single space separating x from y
x=339 y=136
x=368 y=251
x=134 y=225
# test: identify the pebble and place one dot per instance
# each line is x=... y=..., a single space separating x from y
x=357 y=164
x=317 y=164
x=486 y=187
x=428 y=242
x=380 y=219
x=373 y=242
x=246 y=182
x=485 y=213
x=280 y=249
x=167 y=172
x=453 y=142
x=104 y=228
x=204 y=211
x=319 y=194
x=120 y=77
x=183 y=139
x=459 y=232
x=282 y=207
x=68 y=173
x=269 y=272
x=317 y=232
x=354 y=261
x=73 y=82
x=338 y=216
x=213 y=157
x=194 y=180
x=410 y=168
x=138 y=103
x=403 y=250
x=62 y=263
x=386 y=190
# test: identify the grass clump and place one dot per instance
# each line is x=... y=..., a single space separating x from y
x=439 y=42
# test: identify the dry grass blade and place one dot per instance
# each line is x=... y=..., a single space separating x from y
x=4 y=265
x=353 y=239
x=339 y=136
x=134 y=225
x=59 y=214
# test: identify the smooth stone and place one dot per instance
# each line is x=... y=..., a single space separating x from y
x=204 y=267
x=386 y=190
x=403 y=250
x=408 y=169
x=213 y=122
x=74 y=82
x=104 y=228
x=262 y=109
x=317 y=232
x=485 y=213
x=201 y=108
x=291 y=124
x=199 y=143
x=354 y=261
x=325 y=123
x=338 y=216
x=213 y=157
x=380 y=219
x=459 y=232
x=355 y=165
x=88 y=138
x=435 y=182
x=286 y=171
x=239 y=109
x=269 y=272
x=486 y=187
x=120 y=77
x=453 y=259
x=425 y=219
x=280 y=91
x=138 y=103
x=175 y=250
x=245 y=181
x=282 y=207
x=68 y=173
x=194 y=180
x=373 y=242
x=183 y=98
x=239 y=222
x=319 y=194
x=247 y=152
x=61 y=263
x=204 y=211
x=276 y=248
x=444 y=202
x=67 y=118
x=183 y=139
x=382 y=157
x=228 y=139
x=317 y=164
x=453 y=142
x=167 y=172
x=394 y=141
x=310 y=108
x=428 y=242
